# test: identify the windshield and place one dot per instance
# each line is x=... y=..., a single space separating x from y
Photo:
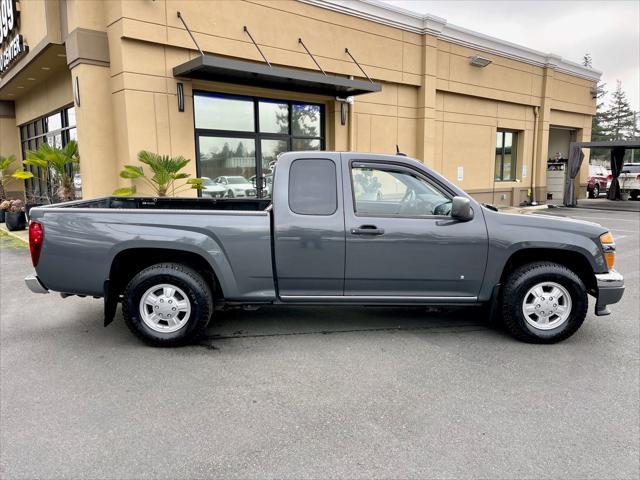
x=633 y=168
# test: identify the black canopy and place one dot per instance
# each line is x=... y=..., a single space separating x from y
x=617 y=147
x=228 y=70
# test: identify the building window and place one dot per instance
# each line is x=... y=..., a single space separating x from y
x=55 y=129
x=242 y=137
x=506 y=155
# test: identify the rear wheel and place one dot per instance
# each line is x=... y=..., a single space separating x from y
x=595 y=191
x=543 y=302
x=167 y=305
x=635 y=194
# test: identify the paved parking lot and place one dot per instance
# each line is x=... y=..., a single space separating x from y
x=318 y=392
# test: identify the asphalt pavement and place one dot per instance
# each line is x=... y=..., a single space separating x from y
x=318 y=392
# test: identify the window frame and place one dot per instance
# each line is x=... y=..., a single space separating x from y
x=514 y=157
x=398 y=168
x=34 y=186
x=256 y=135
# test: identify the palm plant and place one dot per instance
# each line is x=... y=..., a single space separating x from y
x=166 y=171
x=6 y=177
x=53 y=163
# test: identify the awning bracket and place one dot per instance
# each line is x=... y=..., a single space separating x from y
x=346 y=50
x=190 y=34
x=312 y=57
x=246 y=30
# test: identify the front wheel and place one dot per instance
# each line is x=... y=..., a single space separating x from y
x=230 y=194
x=543 y=302
x=167 y=305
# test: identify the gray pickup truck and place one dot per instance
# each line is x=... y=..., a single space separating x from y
x=341 y=228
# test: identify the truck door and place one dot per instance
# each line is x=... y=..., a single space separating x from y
x=401 y=240
x=308 y=230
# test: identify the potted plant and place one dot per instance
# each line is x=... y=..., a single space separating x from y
x=14 y=217
x=4 y=206
x=6 y=177
x=53 y=165
x=166 y=170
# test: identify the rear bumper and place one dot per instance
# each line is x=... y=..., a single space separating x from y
x=610 y=290
x=34 y=284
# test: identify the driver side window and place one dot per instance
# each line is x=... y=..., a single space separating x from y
x=382 y=192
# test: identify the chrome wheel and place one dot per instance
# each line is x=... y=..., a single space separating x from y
x=547 y=305
x=165 y=308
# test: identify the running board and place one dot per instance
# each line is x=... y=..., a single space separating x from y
x=377 y=300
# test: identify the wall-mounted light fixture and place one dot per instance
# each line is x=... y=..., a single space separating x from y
x=478 y=61
x=180 y=90
x=344 y=108
x=76 y=91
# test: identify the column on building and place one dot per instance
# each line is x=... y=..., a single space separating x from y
x=88 y=60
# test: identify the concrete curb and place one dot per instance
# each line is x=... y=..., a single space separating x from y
x=23 y=238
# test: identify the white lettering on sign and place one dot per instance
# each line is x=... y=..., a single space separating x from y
x=9 y=54
x=7 y=18
x=12 y=45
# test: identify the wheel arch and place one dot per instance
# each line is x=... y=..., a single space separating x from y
x=574 y=260
x=129 y=261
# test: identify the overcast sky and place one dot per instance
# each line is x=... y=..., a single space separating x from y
x=607 y=29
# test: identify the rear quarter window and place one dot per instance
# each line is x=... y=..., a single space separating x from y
x=313 y=188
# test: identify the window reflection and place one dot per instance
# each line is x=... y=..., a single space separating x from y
x=227 y=164
x=217 y=113
x=306 y=120
x=274 y=117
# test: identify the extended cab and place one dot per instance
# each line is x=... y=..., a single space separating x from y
x=341 y=228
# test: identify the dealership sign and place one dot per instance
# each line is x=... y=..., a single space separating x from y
x=12 y=45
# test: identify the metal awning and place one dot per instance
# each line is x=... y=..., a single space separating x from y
x=228 y=70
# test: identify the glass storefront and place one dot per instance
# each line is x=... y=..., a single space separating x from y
x=56 y=130
x=238 y=140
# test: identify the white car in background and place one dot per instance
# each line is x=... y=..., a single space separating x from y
x=236 y=186
x=630 y=179
x=212 y=189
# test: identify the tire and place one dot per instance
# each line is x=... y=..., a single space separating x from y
x=595 y=191
x=517 y=295
x=185 y=322
x=230 y=194
x=635 y=194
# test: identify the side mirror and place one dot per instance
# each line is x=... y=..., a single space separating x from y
x=461 y=209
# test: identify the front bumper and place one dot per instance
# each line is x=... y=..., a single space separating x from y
x=34 y=284
x=610 y=289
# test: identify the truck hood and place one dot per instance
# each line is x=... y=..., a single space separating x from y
x=548 y=222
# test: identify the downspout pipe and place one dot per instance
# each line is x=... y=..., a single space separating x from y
x=536 y=112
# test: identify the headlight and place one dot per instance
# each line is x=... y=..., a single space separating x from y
x=609 y=249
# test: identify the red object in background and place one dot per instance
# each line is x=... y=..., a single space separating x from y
x=36 y=239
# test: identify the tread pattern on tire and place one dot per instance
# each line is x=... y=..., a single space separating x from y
x=196 y=331
x=509 y=292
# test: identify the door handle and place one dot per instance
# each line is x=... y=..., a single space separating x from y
x=367 y=230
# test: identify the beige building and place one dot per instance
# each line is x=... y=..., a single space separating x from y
x=122 y=76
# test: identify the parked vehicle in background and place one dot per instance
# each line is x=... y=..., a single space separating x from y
x=422 y=241
x=597 y=180
x=212 y=189
x=630 y=179
x=236 y=186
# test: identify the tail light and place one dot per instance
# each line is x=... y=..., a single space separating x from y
x=609 y=249
x=637 y=177
x=36 y=239
x=609 y=177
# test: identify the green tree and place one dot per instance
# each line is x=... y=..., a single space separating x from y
x=53 y=167
x=166 y=170
x=619 y=120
